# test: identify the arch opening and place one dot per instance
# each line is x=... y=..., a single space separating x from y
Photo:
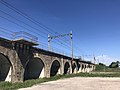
x=34 y=69
x=85 y=67
x=5 y=68
x=74 y=68
x=78 y=66
x=82 y=68
x=55 y=68
x=67 y=68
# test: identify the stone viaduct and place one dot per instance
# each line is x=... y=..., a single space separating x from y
x=20 y=60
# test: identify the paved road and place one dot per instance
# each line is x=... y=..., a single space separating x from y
x=79 y=83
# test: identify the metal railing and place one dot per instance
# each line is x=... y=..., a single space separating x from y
x=26 y=36
x=32 y=38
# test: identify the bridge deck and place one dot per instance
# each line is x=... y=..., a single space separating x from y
x=39 y=49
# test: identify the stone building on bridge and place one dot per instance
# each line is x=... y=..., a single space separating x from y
x=20 y=60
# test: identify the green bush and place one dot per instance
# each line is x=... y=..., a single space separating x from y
x=114 y=64
x=100 y=67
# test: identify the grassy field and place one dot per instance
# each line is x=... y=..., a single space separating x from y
x=28 y=83
x=106 y=69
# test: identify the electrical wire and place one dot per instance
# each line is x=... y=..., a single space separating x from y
x=33 y=21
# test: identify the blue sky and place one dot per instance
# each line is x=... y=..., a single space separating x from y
x=95 y=24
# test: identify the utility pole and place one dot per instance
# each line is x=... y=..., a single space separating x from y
x=48 y=42
x=94 y=60
x=63 y=35
x=71 y=40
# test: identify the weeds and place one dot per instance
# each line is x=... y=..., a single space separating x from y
x=29 y=83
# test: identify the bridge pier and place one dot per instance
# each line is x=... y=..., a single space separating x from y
x=14 y=72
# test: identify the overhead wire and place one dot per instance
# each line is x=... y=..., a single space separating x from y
x=10 y=33
x=29 y=18
x=26 y=29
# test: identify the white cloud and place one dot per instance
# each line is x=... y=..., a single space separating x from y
x=103 y=59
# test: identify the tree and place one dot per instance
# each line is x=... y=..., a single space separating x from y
x=100 y=67
x=102 y=64
x=114 y=64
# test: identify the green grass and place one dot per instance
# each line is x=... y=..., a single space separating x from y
x=112 y=69
x=106 y=69
x=29 y=83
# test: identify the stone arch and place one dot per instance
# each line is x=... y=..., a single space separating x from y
x=74 y=67
x=34 y=69
x=85 y=67
x=5 y=68
x=55 y=68
x=67 y=68
x=78 y=66
x=82 y=67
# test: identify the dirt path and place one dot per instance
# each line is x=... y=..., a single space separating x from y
x=79 y=83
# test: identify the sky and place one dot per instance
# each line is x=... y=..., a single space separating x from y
x=95 y=25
